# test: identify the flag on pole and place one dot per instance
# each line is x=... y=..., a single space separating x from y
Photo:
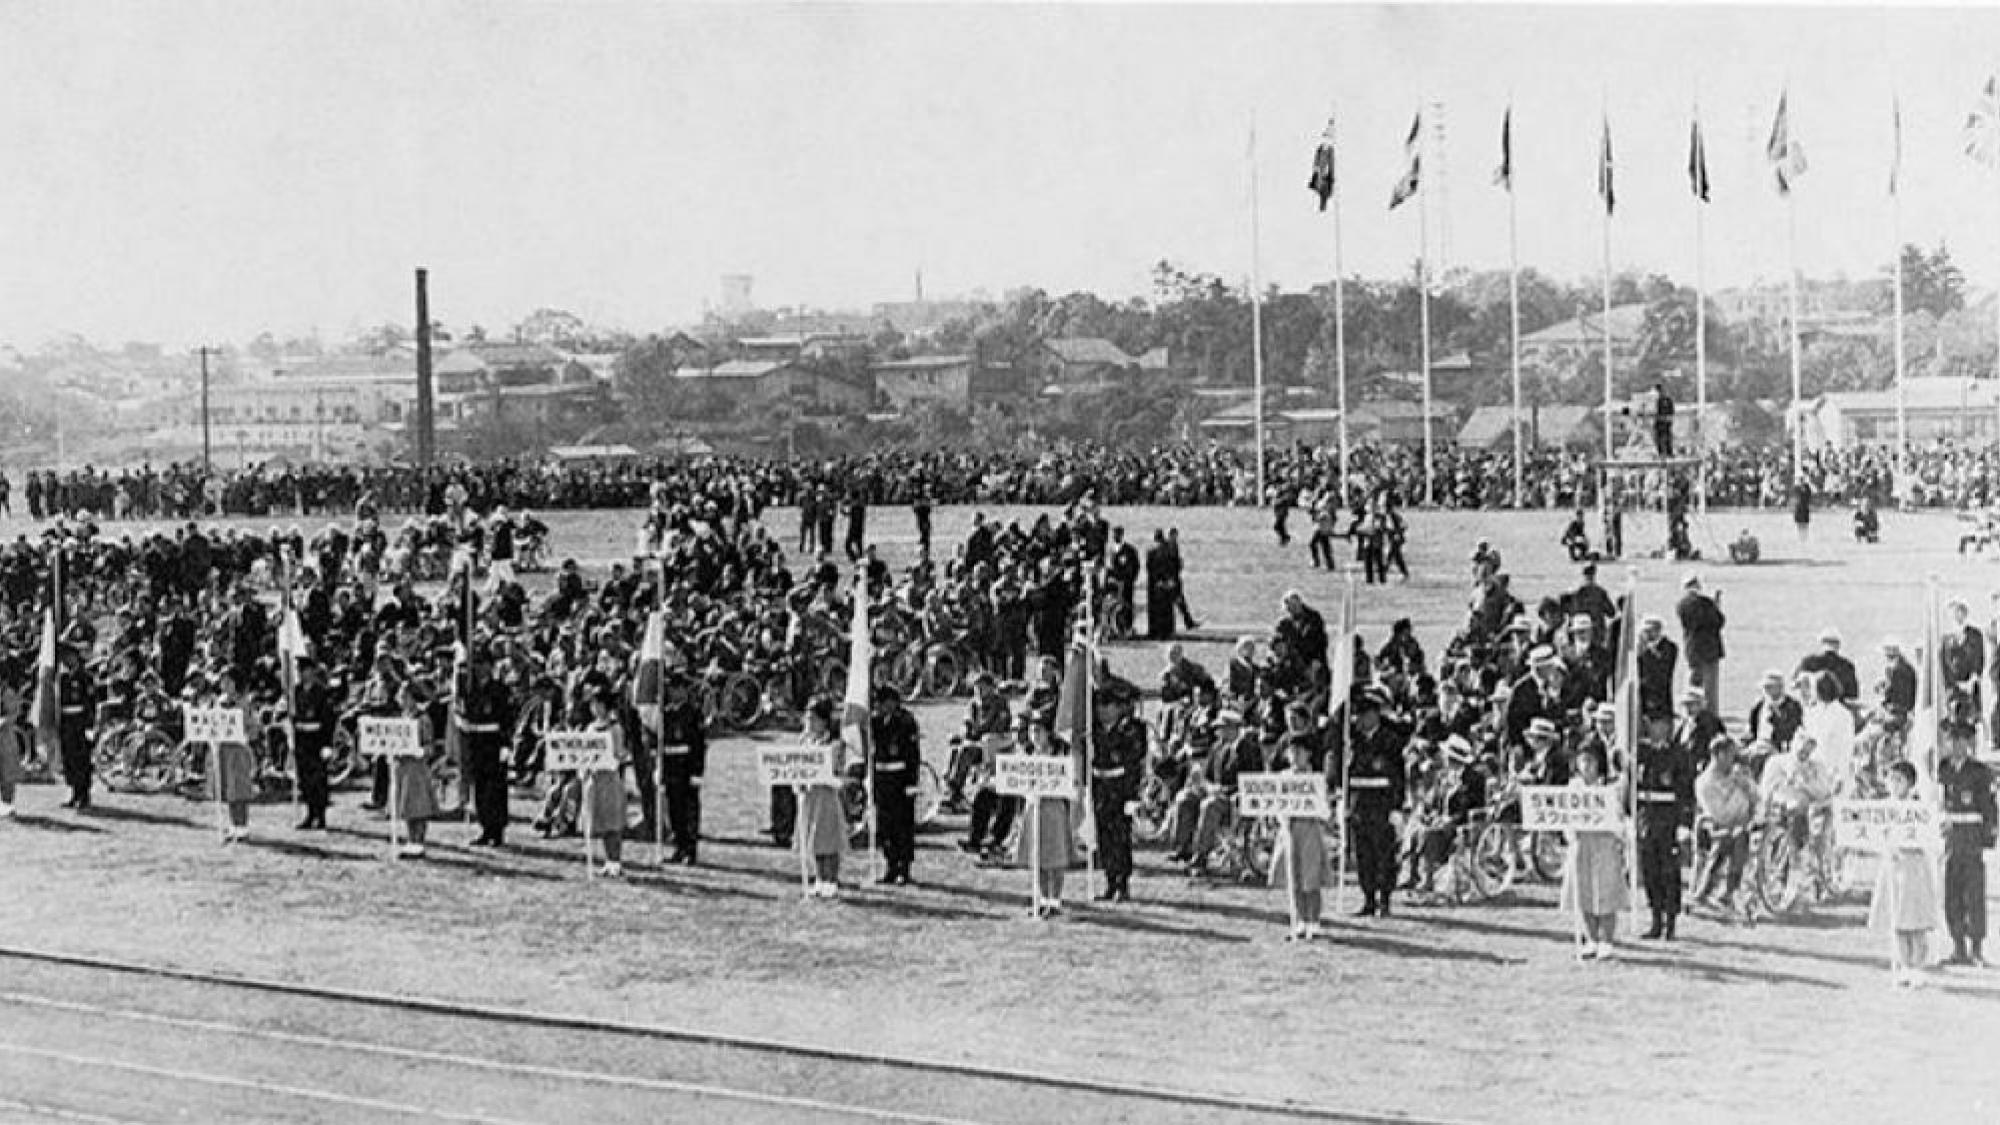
x=1412 y=176
x=1787 y=156
x=1321 y=182
x=1697 y=162
x=1625 y=678
x=1982 y=126
x=1895 y=142
x=1605 y=190
x=649 y=696
x=860 y=668
x=1342 y=679
x=1504 y=175
x=48 y=692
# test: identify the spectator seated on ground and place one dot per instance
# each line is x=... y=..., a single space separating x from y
x=1867 y=525
x=1744 y=549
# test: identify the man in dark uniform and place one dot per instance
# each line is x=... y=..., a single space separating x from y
x=1966 y=785
x=312 y=728
x=896 y=759
x=1124 y=572
x=77 y=693
x=1665 y=795
x=1376 y=780
x=683 y=762
x=485 y=718
x=921 y=509
x=1117 y=765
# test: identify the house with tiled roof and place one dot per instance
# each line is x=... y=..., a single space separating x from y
x=1081 y=361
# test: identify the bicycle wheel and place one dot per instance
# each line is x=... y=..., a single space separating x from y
x=1775 y=882
x=930 y=794
x=1491 y=864
x=149 y=757
x=1547 y=853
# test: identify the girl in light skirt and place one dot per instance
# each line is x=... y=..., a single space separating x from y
x=232 y=766
x=1905 y=902
x=1301 y=863
x=1047 y=840
x=821 y=830
x=416 y=801
x=603 y=798
x=1594 y=889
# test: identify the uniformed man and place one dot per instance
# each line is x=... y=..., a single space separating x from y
x=312 y=729
x=1665 y=795
x=1376 y=782
x=683 y=762
x=77 y=693
x=484 y=717
x=1966 y=785
x=897 y=758
x=1117 y=764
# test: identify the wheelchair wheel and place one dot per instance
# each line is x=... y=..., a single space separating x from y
x=943 y=673
x=1491 y=863
x=908 y=673
x=930 y=794
x=1260 y=840
x=446 y=786
x=107 y=757
x=1776 y=861
x=1149 y=817
x=741 y=700
x=1547 y=853
x=149 y=762
x=343 y=758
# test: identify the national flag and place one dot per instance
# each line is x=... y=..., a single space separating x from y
x=1321 y=182
x=1605 y=190
x=649 y=696
x=1342 y=684
x=1625 y=681
x=1982 y=126
x=1412 y=176
x=1922 y=748
x=1504 y=175
x=1895 y=142
x=1697 y=162
x=860 y=670
x=48 y=692
x=1787 y=156
x=1072 y=722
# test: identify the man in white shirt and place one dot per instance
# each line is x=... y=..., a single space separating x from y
x=1726 y=793
x=1796 y=783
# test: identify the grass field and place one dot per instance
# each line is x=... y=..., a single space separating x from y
x=1469 y=1013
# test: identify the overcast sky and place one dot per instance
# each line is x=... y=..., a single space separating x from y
x=199 y=171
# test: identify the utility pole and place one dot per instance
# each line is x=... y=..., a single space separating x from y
x=203 y=351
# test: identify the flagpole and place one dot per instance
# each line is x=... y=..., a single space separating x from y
x=1256 y=316
x=1514 y=320
x=1700 y=340
x=1902 y=482
x=1607 y=332
x=1340 y=343
x=1424 y=325
x=1798 y=419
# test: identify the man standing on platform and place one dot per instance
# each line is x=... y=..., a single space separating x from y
x=1663 y=421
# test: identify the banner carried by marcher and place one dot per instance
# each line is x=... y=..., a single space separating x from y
x=1562 y=808
x=1885 y=826
x=795 y=765
x=579 y=751
x=214 y=725
x=1034 y=775
x=389 y=738
x=1279 y=795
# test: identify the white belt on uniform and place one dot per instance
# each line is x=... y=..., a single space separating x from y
x=1368 y=783
x=1658 y=796
x=478 y=728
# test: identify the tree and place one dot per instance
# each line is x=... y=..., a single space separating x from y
x=1931 y=282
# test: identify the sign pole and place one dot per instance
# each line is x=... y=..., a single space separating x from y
x=394 y=805
x=1034 y=829
x=800 y=842
x=583 y=800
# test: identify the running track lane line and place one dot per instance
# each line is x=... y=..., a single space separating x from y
x=305 y=1093
x=58 y=1113
x=469 y=1062
x=561 y=1022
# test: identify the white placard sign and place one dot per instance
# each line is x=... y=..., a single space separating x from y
x=389 y=738
x=1034 y=775
x=1563 y=808
x=1279 y=795
x=1884 y=826
x=214 y=725
x=795 y=765
x=583 y=751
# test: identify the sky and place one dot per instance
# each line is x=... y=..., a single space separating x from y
x=204 y=170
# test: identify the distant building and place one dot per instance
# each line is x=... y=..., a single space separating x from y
x=753 y=382
x=1964 y=411
x=1393 y=422
x=803 y=345
x=945 y=379
x=1082 y=360
x=1490 y=427
x=504 y=366
x=1561 y=351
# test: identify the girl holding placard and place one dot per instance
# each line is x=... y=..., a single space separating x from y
x=821 y=832
x=1594 y=888
x=1905 y=900
x=416 y=802
x=603 y=797
x=1300 y=862
x=232 y=767
x=1047 y=842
